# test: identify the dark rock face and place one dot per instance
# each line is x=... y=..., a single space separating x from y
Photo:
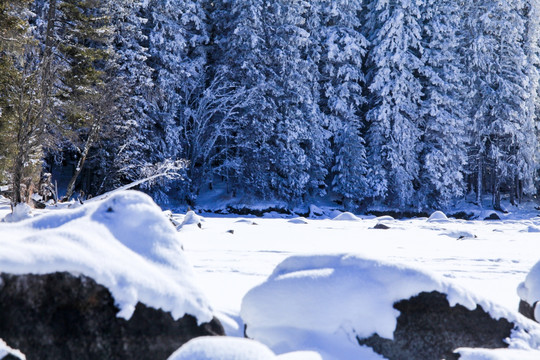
x=429 y=329
x=493 y=216
x=62 y=316
x=380 y=226
x=527 y=310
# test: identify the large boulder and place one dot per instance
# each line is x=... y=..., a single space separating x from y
x=63 y=316
x=109 y=280
x=394 y=312
x=429 y=328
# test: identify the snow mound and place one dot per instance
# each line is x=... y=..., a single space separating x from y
x=123 y=242
x=6 y=350
x=384 y=218
x=232 y=348
x=20 y=212
x=529 y=290
x=497 y=354
x=298 y=220
x=437 y=216
x=346 y=216
x=533 y=229
x=191 y=219
x=222 y=348
x=322 y=302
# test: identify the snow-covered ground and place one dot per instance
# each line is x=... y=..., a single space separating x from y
x=491 y=258
x=232 y=255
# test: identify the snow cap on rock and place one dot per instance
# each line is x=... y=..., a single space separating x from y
x=124 y=243
x=346 y=216
x=437 y=216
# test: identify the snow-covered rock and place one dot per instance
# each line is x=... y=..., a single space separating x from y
x=384 y=218
x=20 y=212
x=76 y=318
x=346 y=216
x=124 y=243
x=298 y=220
x=327 y=303
x=231 y=348
x=437 y=216
x=191 y=218
x=529 y=292
x=6 y=350
x=459 y=234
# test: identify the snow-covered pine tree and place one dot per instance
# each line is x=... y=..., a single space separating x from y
x=241 y=52
x=499 y=74
x=395 y=115
x=445 y=135
x=343 y=48
x=126 y=148
x=299 y=141
x=531 y=12
x=177 y=34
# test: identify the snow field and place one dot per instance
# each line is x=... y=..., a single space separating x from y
x=126 y=243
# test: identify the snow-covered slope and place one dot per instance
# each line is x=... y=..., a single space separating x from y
x=124 y=243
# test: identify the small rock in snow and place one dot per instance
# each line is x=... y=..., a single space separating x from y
x=192 y=219
x=298 y=220
x=346 y=216
x=493 y=216
x=380 y=226
x=384 y=218
x=437 y=216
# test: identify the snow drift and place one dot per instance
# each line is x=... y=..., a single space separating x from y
x=124 y=243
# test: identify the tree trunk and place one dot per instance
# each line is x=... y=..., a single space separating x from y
x=513 y=191
x=18 y=169
x=496 y=189
x=87 y=145
x=480 y=175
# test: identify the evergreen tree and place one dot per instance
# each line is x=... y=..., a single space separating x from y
x=395 y=114
x=177 y=38
x=299 y=141
x=241 y=52
x=22 y=101
x=499 y=74
x=343 y=48
x=126 y=145
x=445 y=132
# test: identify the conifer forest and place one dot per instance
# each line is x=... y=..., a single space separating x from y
x=400 y=103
